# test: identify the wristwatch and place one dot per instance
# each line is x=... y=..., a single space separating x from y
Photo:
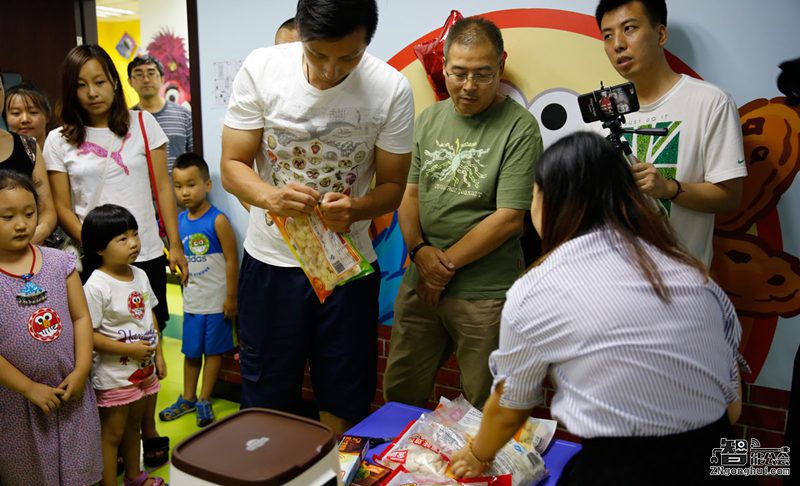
x=416 y=249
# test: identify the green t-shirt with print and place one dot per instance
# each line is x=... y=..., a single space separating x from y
x=466 y=168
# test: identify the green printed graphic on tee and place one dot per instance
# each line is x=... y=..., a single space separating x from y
x=657 y=150
x=456 y=167
x=660 y=151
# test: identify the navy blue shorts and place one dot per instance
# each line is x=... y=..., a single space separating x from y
x=282 y=325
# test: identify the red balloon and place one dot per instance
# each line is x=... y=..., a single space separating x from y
x=431 y=54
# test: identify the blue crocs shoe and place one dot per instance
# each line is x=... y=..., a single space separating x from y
x=181 y=406
x=205 y=413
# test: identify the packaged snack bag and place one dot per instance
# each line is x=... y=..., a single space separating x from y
x=328 y=258
x=401 y=477
x=351 y=453
x=423 y=448
x=426 y=446
x=370 y=474
x=536 y=433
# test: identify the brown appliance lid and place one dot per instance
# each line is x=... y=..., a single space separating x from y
x=254 y=446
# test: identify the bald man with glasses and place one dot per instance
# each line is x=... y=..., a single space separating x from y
x=461 y=217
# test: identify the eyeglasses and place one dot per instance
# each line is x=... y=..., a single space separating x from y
x=461 y=78
x=140 y=75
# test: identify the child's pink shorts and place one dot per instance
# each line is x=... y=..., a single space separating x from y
x=128 y=394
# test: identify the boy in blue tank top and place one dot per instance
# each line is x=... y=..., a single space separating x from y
x=209 y=298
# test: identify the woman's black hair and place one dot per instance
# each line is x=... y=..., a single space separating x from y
x=11 y=179
x=585 y=184
x=101 y=225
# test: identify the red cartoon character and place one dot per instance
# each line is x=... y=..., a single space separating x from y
x=145 y=369
x=44 y=325
x=136 y=305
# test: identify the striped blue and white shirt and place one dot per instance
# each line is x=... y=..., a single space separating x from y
x=624 y=363
x=176 y=121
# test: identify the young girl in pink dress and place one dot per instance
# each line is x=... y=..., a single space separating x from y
x=49 y=431
x=128 y=361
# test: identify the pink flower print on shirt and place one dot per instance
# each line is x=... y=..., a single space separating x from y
x=93 y=148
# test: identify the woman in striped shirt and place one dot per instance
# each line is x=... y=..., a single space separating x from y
x=639 y=343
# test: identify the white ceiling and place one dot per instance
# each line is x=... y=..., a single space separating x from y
x=131 y=5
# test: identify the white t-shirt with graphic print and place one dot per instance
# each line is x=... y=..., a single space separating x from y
x=704 y=144
x=122 y=311
x=322 y=138
x=127 y=179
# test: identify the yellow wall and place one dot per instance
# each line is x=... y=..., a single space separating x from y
x=108 y=35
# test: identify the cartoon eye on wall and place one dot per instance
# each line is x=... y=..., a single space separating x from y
x=175 y=93
x=555 y=109
x=558 y=114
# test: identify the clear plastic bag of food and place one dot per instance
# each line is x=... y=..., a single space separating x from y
x=536 y=433
x=523 y=462
x=424 y=448
x=328 y=258
x=428 y=444
x=402 y=477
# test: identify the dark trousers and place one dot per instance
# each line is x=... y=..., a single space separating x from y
x=283 y=326
x=678 y=459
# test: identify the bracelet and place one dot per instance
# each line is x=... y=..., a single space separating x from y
x=485 y=463
x=416 y=249
x=678 y=191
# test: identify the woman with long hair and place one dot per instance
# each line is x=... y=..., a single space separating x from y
x=639 y=342
x=99 y=156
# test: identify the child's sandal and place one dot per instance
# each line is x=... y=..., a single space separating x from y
x=156 y=451
x=142 y=479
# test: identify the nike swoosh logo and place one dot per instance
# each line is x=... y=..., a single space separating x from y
x=741 y=162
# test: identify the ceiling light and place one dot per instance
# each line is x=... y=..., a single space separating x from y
x=106 y=12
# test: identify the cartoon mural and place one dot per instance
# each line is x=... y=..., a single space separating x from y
x=750 y=264
x=170 y=49
x=761 y=279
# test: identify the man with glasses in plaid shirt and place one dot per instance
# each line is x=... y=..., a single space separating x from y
x=461 y=217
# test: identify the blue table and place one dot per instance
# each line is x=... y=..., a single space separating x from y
x=389 y=420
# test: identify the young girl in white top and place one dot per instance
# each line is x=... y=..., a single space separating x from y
x=128 y=361
x=98 y=156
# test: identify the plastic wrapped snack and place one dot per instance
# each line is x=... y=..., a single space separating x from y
x=536 y=433
x=524 y=463
x=401 y=477
x=426 y=446
x=328 y=258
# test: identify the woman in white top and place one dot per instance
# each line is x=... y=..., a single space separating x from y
x=98 y=156
x=639 y=343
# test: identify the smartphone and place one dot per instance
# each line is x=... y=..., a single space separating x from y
x=608 y=102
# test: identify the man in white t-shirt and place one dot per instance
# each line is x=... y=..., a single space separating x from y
x=697 y=169
x=320 y=118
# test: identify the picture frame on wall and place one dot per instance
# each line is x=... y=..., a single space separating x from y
x=126 y=46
